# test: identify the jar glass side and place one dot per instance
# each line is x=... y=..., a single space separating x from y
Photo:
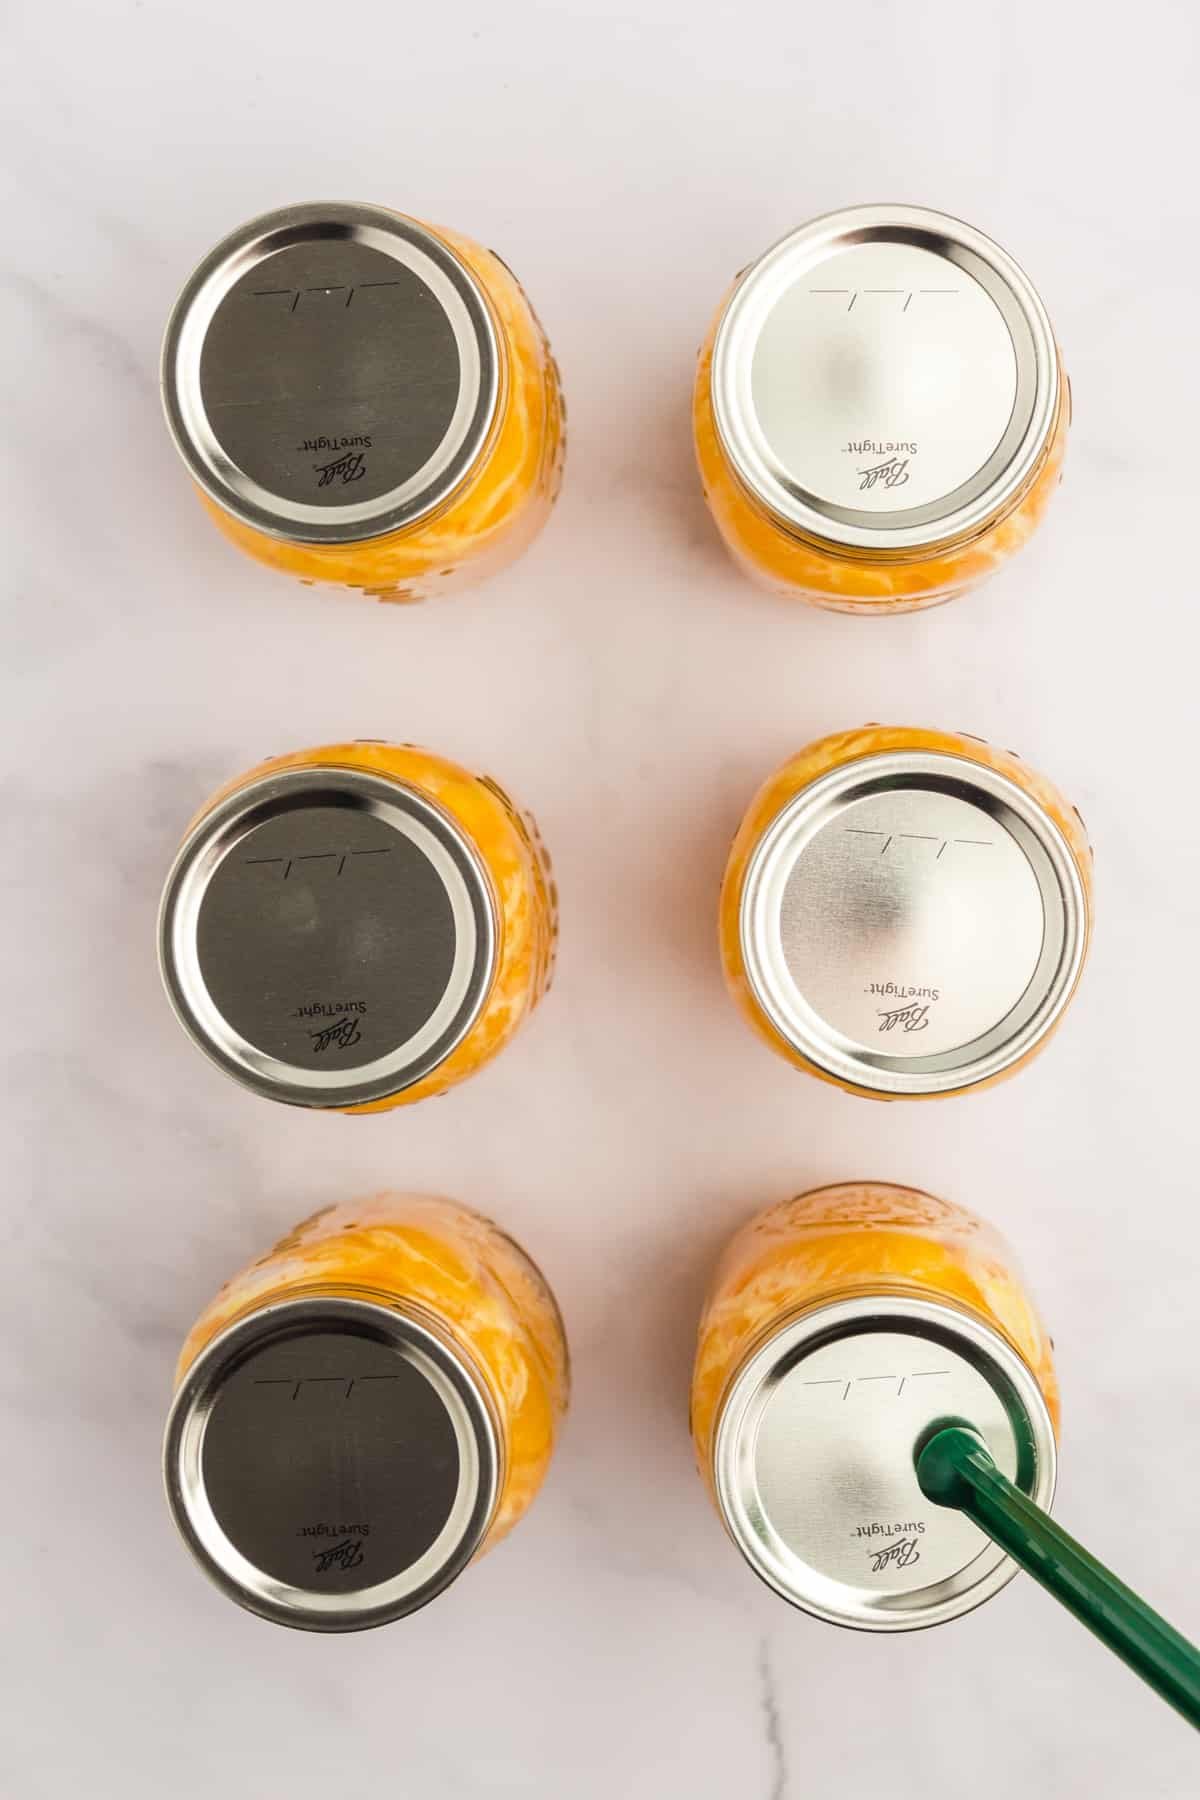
x=854 y=1239
x=500 y=508
x=854 y=581
x=479 y=1285
x=518 y=867
x=833 y=752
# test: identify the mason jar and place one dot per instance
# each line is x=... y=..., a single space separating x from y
x=364 y=399
x=357 y=926
x=880 y=411
x=838 y=1329
x=905 y=912
x=364 y=1411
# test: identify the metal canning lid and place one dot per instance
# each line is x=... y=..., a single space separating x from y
x=331 y=1462
x=328 y=936
x=885 y=378
x=813 y=1459
x=331 y=373
x=912 y=922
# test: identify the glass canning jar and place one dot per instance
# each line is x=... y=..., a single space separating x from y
x=364 y=399
x=906 y=912
x=357 y=926
x=839 y=1327
x=880 y=411
x=364 y=1410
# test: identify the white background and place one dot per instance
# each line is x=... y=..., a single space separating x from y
x=632 y=689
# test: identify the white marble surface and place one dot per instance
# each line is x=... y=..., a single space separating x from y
x=626 y=160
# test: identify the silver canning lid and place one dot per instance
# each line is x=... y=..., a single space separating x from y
x=912 y=922
x=813 y=1459
x=331 y=373
x=327 y=936
x=885 y=378
x=331 y=1462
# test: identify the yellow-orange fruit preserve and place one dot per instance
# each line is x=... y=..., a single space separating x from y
x=363 y=399
x=839 y=1328
x=357 y=926
x=880 y=411
x=364 y=1410
x=906 y=912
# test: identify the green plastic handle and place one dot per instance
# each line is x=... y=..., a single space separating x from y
x=955 y=1468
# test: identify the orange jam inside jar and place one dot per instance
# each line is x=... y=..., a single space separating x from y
x=365 y=400
x=364 y=1410
x=838 y=1327
x=358 y=926
x=906 y=912
x=880 y=411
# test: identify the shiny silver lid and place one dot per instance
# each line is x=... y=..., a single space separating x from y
x=813 y=1459
x=885 y=378
x=327 y=936
x=912 y=922
x=331 y=373
x=331 y=1462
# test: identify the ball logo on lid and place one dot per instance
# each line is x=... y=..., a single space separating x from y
x=340 y=1027
x=342 y=1034
x=348 y=1554
x=899 y=1552
x=892 y=472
